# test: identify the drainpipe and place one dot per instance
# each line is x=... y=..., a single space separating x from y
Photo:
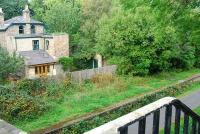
x=93 y=63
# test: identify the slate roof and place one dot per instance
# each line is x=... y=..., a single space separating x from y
x=18 y=20
x=36 y=57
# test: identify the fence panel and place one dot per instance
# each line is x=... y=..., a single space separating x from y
x=87 y=74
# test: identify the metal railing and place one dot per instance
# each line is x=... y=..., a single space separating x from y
x=180 y=109
x=163 y=116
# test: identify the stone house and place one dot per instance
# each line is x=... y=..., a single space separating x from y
x=26 y=37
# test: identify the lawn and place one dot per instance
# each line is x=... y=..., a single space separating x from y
x=91 y=97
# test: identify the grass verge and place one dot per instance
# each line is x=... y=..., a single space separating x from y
x=91 y=97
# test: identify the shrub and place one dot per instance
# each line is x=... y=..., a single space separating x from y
x=16 y=104
x=10 y=64
x=32 y=87
x=66 y=62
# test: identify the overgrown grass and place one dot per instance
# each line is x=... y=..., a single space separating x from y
x=88 y=97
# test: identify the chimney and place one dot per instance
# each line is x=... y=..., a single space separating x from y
x=1 y=17
x=26 y=14
x=27 y=19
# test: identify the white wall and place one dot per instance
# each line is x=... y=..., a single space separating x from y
x=26 y=44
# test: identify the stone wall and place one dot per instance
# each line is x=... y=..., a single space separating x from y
x=7 y=38
x=12 y=30
x=51 y=49
x=61 y=45
x=30 y=72
x=39 y=29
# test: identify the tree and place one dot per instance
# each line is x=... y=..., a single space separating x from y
x=12 y=8
x=10 y=64
x=66 y=63
x=58 y=15
x=92 y=11
x=139 y=42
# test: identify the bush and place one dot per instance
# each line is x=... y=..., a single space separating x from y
x=10 y=64
x=32 y=87
x=18 y=105
x=66 y=62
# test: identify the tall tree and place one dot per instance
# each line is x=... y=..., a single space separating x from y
x=12 y=8
x=58 y=15
x=92 y=11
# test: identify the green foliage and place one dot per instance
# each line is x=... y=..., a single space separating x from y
x=95 y=121
x=66 y=62
x=141 y=36
x=31 y=87
x=12 y=8
x=18 y=104
x=69 y=100
x=140 y=42
x=92 y=11
x=58 y=15
x=30 y=99
x=10 y=64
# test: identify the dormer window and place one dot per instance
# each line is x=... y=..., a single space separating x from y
x=32 y=29
x=21 y=29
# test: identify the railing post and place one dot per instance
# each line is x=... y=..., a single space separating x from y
x=156 y=120
x=177 y=120
x=123 y=130
x=194 y=126
x=142 y=126
x=186 y=122
x=168 y=117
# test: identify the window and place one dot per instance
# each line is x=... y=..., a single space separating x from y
x=36 y=45
x=47 y=44
x=21 y=29
x=42 y=70
x=32 y=29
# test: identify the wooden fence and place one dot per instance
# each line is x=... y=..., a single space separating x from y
x=87 y=74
